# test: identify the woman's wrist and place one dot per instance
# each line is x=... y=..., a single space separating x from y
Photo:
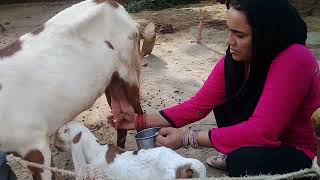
x=204 y=139
x=140 y=121
x=190 y=139
x=195 y=139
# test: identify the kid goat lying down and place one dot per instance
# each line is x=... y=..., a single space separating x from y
x=157 y=163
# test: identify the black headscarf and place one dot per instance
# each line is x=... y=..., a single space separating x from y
x=275 y=25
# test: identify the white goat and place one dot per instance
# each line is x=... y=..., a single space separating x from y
x=157 y=163
x=53 y=74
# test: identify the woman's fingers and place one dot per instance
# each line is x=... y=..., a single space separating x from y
x=164 y=131
x=120 y=121
x=110 y=120
x=315 y=118
x=119 y=118
x=161 y=139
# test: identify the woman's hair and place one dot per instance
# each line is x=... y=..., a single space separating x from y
x=275 y=25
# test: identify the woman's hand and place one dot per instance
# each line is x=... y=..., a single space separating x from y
x=315 y=118
x=123 y=121
x=170 y=137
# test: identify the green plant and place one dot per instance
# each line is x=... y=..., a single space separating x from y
x=138 y=5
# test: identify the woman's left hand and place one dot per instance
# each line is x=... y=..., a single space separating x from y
x=170 y=137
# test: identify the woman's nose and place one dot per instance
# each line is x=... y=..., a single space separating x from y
x=230 y=40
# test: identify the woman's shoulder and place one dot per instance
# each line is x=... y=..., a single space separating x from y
x=296 y=54
x=220 y=63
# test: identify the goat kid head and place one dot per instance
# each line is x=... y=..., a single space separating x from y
x=69 y=134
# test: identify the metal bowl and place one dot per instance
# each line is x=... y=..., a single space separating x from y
x=146 y=139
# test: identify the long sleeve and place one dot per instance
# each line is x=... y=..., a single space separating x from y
x=288 y=83
x=211 y=94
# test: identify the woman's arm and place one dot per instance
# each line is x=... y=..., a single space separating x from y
x=211 y=94
x=156 y=120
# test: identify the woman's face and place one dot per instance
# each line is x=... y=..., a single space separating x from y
x=240 y=36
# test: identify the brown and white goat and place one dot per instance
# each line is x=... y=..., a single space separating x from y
x=158 y=163
x=53 y=74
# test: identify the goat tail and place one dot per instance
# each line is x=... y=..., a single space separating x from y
x=199 y=167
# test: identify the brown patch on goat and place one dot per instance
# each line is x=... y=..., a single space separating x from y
x=118 y=85
x=132 y=92
x=39 y=30
x=37 y=157
x=109 y=44
x=184 y=171
x=112 y=153
x=111 y=2
x=76 y=139
x=11 y=49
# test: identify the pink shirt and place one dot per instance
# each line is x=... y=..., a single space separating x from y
x=282 y=116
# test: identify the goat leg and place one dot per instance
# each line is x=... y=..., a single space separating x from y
x=40 y=155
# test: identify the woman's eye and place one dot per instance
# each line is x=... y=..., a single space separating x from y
x=240 y=36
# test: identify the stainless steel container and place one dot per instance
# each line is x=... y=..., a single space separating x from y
x=146 y=139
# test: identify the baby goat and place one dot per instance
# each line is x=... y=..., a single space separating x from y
x=157 y=163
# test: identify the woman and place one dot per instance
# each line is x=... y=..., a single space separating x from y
x=262 y=92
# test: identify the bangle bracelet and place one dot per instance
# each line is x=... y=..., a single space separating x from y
x=190 y=139
x=194 y=139
x=185 y=140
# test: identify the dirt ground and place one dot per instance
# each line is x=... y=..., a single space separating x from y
x=174 y=72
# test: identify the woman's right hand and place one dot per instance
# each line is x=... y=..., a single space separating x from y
x=128 y=120
x=123 y=121
x=315 y=118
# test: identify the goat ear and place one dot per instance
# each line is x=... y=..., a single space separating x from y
x=149 y=38
x=76 y=139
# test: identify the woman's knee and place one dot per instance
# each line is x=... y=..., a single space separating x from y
x=240 y=161
x=262 y=160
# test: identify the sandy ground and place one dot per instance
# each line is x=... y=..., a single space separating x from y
x=176 y=69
